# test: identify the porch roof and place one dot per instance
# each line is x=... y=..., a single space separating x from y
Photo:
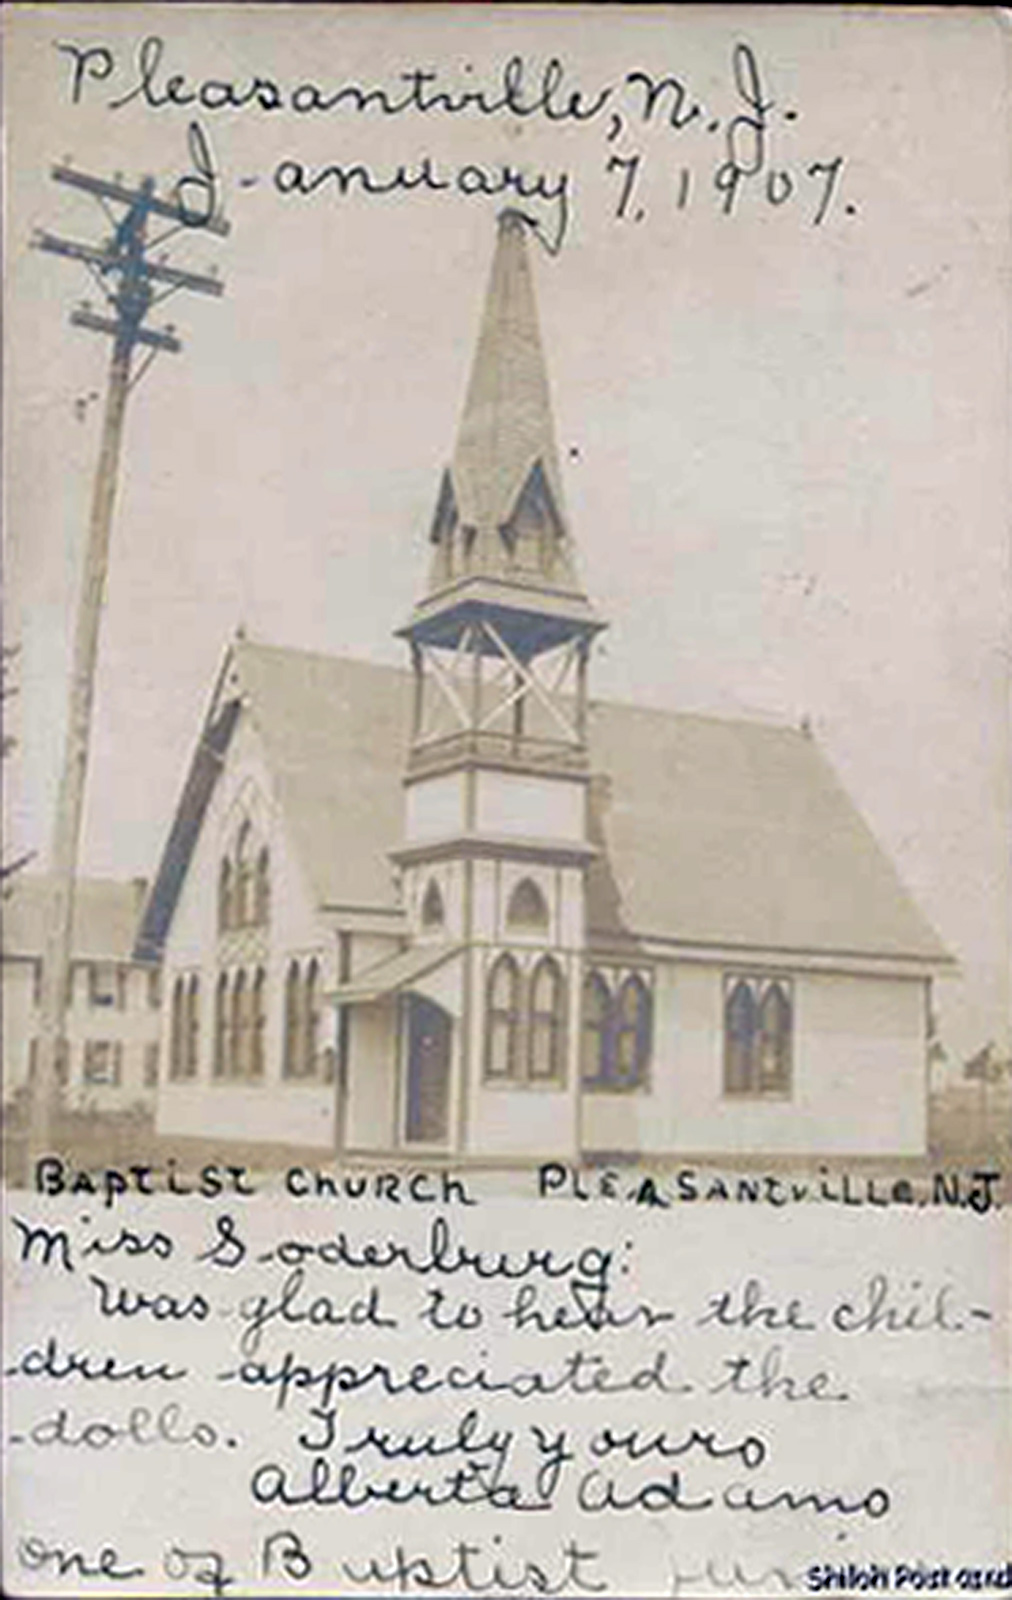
x=395 y=973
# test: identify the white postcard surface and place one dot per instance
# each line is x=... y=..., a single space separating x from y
x=506 y=1056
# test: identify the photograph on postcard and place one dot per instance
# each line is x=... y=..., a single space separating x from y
x=506 y=961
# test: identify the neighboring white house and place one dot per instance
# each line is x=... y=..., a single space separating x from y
x=113 y=1018
x=466 y=911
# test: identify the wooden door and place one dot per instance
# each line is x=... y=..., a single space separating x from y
x=429 y=1038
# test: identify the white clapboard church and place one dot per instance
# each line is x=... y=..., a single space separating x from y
x=466 y=911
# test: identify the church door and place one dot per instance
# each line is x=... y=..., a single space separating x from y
x=429 y=1035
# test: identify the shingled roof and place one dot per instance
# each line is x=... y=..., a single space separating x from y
x=710 y=831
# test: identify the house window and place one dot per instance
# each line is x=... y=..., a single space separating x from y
x=758 y=1035
x=546 y=1033
x=106 y=985
x=103 y=1061
x=302 y=1018
x=502 y=1036
x=527 y=909
x=154 y=988
x=433 y=914
x=151 y=1066
x=616 y=1033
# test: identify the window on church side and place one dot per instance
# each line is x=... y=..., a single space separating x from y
x=433 y=913
x=222 y=1028
x=192 y=1026
x=226 y=912
x=240 y=1020
x=244 y=887
x=616 y=1033
x=258 y=1024
x=631 y=1048
x=546 y=1029
x=243 y=878
x=262 y=908
x=302 y=1057
x=293 y=1022
x=595 y=1029
x=240 y=1027
x=184 y=1028
x=527 y=910
x=502 y=1011
x=176 y=1029
x=311 y=1002
x=758 y=1035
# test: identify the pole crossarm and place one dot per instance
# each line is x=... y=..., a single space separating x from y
x=113 y=189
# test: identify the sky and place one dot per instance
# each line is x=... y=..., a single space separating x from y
x=777 y=336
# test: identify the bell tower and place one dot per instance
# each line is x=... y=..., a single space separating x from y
x=496 y=846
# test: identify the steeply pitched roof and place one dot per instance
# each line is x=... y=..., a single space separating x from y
x=711 y=831
x=106 y=914
x=730 y=832
x=335 y=733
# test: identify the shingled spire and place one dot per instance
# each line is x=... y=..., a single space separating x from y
x=500 y=512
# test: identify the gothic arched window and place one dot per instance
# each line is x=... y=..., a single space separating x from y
x=262 y=895
x=616 y=1033
x=243 y=878
x=311 y=1016
x=502 y=1009
x=631 y=1036
x=758 y=1035
x=240 y=1026
x=527 y=909
x=739 y=1037
x=225 y=907
x=258 y=1024
x=433 y=913
x=222 y=1029
x=177 y=1034
x=293 y=1051
x=595 y=1036
x=546 y=1035
x=192 y=1046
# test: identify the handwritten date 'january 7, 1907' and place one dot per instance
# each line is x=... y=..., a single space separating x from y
x=732 y=149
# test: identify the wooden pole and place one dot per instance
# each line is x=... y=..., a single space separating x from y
x=56 y=964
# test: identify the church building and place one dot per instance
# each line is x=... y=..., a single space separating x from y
x=465 y=911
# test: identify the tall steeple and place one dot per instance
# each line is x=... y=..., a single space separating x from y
x=496 y=848
x=501 y=639
x=500 y=516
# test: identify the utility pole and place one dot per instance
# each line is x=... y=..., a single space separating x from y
x=131 y=284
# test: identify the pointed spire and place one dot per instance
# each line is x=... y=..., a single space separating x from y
x=506 y=428
x=500 y=510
